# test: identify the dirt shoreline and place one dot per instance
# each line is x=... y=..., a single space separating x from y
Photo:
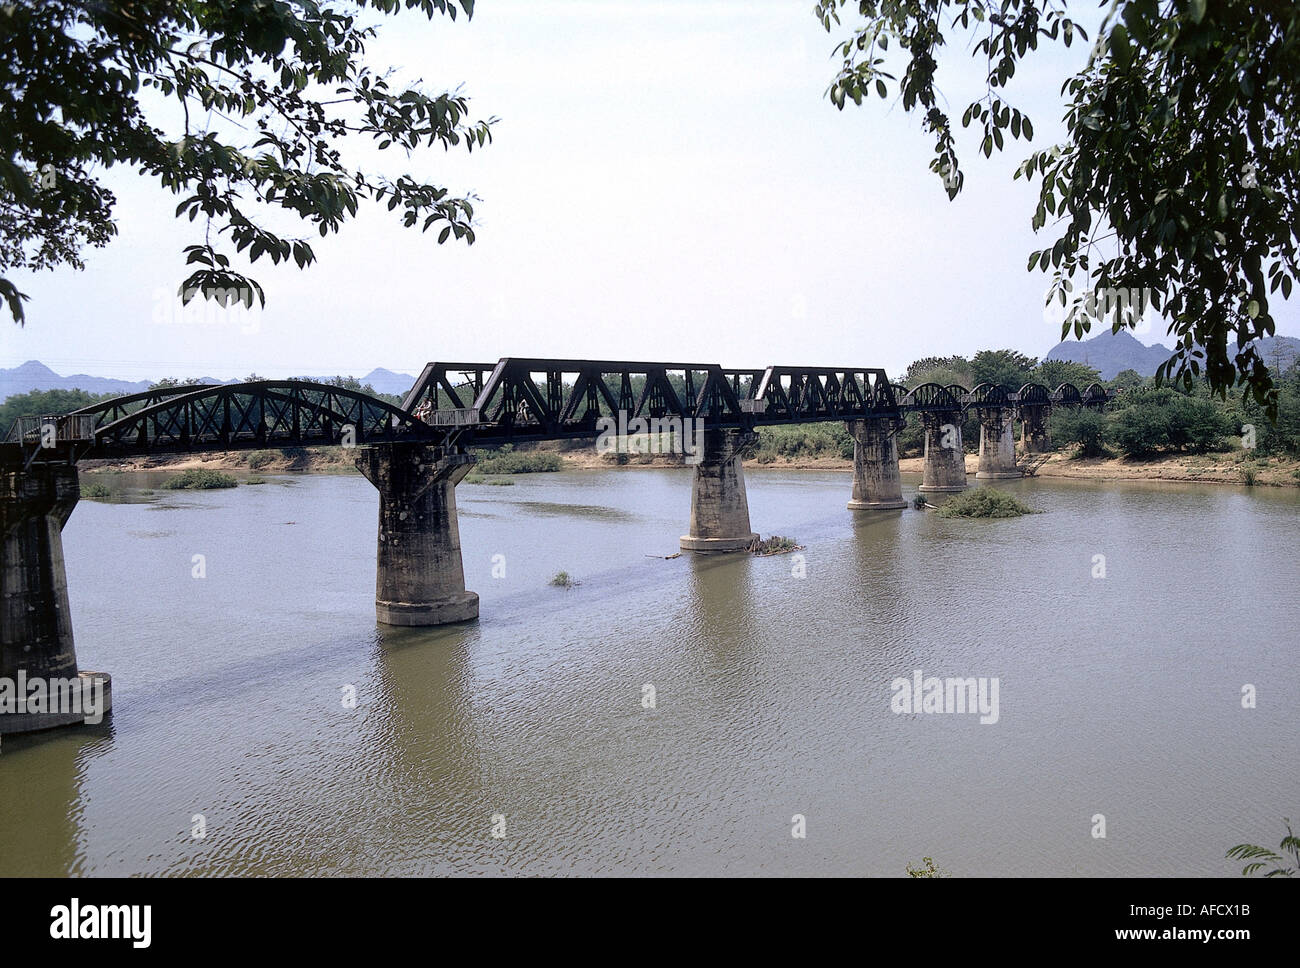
x=1223 y=468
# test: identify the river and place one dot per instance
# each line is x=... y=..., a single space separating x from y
x=772 y=683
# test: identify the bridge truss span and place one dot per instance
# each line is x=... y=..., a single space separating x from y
x=237 y=416
x=805 y=394
x=521 y=399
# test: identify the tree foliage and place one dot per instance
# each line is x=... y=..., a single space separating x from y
x=1179 y=176
x=1128 y=380
x=1150 y=421
x=1082 y=428
x=243 y=108
x=1052 y=373
x=944 y=370
x=1259 y=858
x=45 y=403
x=1005 y=368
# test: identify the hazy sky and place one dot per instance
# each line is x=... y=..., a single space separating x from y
x=668 y=182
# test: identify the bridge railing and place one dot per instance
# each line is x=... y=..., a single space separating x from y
x=459 y=417
x=53 y=428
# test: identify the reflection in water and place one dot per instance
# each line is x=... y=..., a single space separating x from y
x=43 y=799
x=772 y=686
x=575 y=510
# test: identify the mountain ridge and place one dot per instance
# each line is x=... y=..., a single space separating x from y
x=35 y=375
x=1112 y=353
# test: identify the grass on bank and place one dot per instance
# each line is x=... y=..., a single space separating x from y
x=984 y=502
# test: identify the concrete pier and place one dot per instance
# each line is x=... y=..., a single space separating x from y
x=997 y=445
x=944 y=468
x=1034 y=436
x=719 y=507
x=36 y=629
x=877 y=485
x=420 y=578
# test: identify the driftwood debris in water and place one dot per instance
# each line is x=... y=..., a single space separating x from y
x=775 y=545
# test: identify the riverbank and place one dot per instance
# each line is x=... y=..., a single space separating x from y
x=1232 y=467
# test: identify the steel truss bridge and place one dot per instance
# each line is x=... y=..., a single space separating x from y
x=457 y=405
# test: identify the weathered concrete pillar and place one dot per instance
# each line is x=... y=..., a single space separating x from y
x=944 y=468
x=36 y=625
x=420 y=578
x=997 y=445
x=876 y=482
x=1034 y=437
x=719 y=507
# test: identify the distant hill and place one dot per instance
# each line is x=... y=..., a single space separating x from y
x=386 y=381
x=1111 y=353
x=35 y=375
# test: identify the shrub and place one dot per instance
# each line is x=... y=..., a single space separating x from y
x=198 y=479
x=1084 y=429
x=510 y=462
x=563 y=579
x=927 y=869
x=95 y=490
x=260 y=458
x=984 y=502
x=1162 y=419
x=298 y=457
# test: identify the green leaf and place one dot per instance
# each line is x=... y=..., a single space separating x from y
x=1119 y=46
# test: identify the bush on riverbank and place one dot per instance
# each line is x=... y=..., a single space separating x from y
x=984 y=502
x=94 y=490
x=199 y=479
x=509 y=461
x=803 y=441
x=1147 y=422
x=1085 y=430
